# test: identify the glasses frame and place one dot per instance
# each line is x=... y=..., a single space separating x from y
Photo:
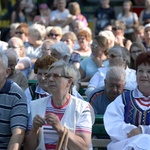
x=52 y=34
x=93 y=45
x=56 y=75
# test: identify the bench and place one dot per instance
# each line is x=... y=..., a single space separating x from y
x=100 y=138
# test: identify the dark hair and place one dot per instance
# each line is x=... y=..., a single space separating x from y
x=143 y=58
x=44 y=62
x=141 y=47
x=102 y=42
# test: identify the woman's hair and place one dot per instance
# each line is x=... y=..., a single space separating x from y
x=130 y=3
x=58 y=30
x=48 y=41
x=24 y=28
x=43 y=62
x=143 y=58
x=123 y=51
x=62 y=49
x=141 y=47
x=110 y=36
x=86 y=34
x=21 y=45
x=68 y=70
x=70 y=35
x=38 y=31
x=74 y=8
x=102 y=42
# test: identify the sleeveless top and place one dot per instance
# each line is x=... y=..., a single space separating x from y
x=133 y=113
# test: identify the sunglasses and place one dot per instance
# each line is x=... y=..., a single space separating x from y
x=116 y=28
x=94 y=45
x=52 y=34
x=19 y=32
x=14 y=47
x=137 y=51
x=56 y=75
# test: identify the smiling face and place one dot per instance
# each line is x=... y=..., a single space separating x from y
x=143 y=76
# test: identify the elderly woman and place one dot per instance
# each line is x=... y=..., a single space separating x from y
x=55 y=34
x=39 y=89
x=37 y=34
x=84 y=39
x=127 y=119
x=59 y=111
x=61 y=51
x=46 y=47
x=70 y=38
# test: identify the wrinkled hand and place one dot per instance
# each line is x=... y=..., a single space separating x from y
x=38 y=122
x=134 y=132
x=54 y=121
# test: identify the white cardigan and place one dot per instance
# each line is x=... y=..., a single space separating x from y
x=73 y=112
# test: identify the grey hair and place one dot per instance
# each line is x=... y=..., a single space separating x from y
x=10 y=53
x=4 y=59
x=38 y=31
x=124 y=51
x=68 y=70
x=62 y=49
x=116 y=72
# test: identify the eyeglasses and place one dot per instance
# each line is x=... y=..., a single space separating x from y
x=116 y=28
x=53 y=34
x=94 y=45
x=18 y=32
x=137 y=51
x=14 y=47
x=113 y=56
x=45 y=49
x=56 y=75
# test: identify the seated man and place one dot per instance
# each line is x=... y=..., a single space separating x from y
x=13 y=110
x=15 y=75
x=100 y=98
x=118 y=56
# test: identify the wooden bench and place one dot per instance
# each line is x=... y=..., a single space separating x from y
x=100 y=138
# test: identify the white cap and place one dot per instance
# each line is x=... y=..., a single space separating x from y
x=147 y=25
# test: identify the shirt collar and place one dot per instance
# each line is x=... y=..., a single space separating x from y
x=6 y=87
x=138 y=94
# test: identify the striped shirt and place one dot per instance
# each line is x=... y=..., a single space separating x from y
x=51 y=136
x=13 y=111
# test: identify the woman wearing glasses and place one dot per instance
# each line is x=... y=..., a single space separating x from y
x=60 y=111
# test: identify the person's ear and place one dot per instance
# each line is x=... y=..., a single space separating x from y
x=8 y=72
x=105 y=82
x=70 y=82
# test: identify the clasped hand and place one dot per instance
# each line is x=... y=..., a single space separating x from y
x=50 y=119
x=134 y=132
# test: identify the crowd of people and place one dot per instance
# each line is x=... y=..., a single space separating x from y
x=56 y=48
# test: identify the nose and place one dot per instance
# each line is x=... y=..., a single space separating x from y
x=114 y=88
